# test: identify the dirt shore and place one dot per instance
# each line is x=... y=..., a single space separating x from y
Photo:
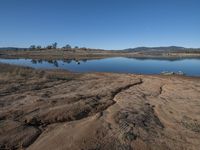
x=77 y=54
x=54 y=109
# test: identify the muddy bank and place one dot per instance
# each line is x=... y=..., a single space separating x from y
x=63 y=110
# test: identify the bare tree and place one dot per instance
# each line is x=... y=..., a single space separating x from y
x=54 y=45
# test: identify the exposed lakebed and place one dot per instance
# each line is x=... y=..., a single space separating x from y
x=190 y=67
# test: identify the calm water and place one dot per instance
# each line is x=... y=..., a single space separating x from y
x=190 y=67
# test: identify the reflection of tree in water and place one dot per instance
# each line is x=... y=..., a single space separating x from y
x=40 y=61
x=78 y=62
x=67 y=61
x=34 y=61
x=84 y=60
x=50 y=61
x=75 y=60
x=53 y=62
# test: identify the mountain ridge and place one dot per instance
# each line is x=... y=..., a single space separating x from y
x=136 y=49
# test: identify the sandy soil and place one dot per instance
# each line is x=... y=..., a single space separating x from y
x=59 y=110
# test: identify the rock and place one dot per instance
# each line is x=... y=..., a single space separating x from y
x=180 y=73
x=167 y=73
x=172 y=73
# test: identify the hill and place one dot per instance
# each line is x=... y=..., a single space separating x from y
x=161 y=49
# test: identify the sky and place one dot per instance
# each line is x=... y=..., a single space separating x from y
x=106 y=24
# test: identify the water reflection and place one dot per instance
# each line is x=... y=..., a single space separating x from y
x=117 y=64
x=55 y=62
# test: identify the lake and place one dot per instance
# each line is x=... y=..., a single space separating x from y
x=190 y=67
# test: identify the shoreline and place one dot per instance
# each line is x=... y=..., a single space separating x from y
x=92 y=54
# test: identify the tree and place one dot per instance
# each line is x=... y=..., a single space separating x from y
x=67 y=46
x=54 y=45
x=38 y=47
x=32 y=47
x=49 y=47
x=76 y=47
x=83 y=48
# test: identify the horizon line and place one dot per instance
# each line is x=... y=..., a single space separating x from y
x=103 y=48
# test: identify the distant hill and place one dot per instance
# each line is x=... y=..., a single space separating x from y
x=161 y=49
x=137 y=49
x=155 y=48
x=11 y=48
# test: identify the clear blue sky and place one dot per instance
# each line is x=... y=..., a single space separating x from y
x=109 y=24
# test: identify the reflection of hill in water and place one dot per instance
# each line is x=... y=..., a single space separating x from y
x=163 y=58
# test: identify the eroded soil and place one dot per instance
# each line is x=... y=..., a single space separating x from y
x=62 y=110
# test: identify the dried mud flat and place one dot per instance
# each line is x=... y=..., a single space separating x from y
x=62 y=110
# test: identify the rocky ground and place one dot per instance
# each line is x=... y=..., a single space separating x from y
x=62 y=110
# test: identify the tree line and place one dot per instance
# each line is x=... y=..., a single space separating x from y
x=55 y=46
